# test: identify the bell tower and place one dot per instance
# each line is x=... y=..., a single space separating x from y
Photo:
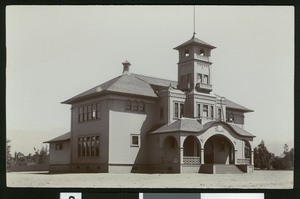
x=194 y=66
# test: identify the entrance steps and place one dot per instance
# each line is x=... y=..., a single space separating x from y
x=220 y=169
x=226 y=169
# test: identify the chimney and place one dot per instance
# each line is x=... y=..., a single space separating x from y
x=126 y=67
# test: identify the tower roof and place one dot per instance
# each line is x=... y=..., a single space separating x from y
x=196 y=41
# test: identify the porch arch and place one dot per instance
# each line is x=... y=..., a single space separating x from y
x=191 y=150
x=170 y=150
x=247 y=154
x=218 y=149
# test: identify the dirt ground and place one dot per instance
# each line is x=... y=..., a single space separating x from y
x=256 y=180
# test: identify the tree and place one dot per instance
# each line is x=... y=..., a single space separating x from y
x=9 y=158
x=284 y=161
x=20 y=159
x=41 y=156
x=262 y=157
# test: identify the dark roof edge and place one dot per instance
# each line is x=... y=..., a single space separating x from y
x=102 y=93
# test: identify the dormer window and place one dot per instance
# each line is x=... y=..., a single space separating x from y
x=186 y=53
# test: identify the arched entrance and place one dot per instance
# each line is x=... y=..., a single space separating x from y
x=171 y=150
x=191 y=150
x=218 y=149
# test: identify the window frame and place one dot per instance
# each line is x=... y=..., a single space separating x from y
x=205 y=108
x=59 y=146
x=132 y=144
x=88 y=146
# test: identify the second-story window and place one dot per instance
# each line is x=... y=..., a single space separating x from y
x=142 y=106
x=128 y=105
x=199 y=77
x=205 y=111
x=198 y=110
x=189 y=78
x=89 y=112
x=134 y=106
x=219 y=113
x=205 y=79
x=178 y=109
x=212 y=112
x=182 y=79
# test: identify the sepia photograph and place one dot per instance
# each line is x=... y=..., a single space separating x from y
x=150 y=97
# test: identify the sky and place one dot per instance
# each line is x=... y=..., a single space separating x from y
x=57 y=52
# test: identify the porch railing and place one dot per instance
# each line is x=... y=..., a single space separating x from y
x=245 y=161
x=191 y=160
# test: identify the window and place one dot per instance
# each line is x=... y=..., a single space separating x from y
x=205 y=111
x=135 y=140
x=186 y=53
x=199 y=77
x=181 y=110
x=98 y=111
x=182 y=79
x=178 y=109
x=79 y=146
x=189 y=78
x=58 y=146
x=205 y=79
x=89 y=112
x=135 y=106
x=199 y=110
x=94 y=112
x=219 y=113
x=88 y=146
x=80 y=114
x=128 y=105
x=142 y=106
x=97 y=146
x=84 y=113
x=93 y=142
x=83 y=146
x=201 y=52
x=212 y=112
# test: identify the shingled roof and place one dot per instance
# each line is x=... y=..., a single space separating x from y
x=127 y=84
x=136 y=84
x=181 y=125
x=63 y=137
x=195 y=40
x=193 y=125
x=233 y=105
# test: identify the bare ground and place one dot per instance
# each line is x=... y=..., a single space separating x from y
x=256 y=180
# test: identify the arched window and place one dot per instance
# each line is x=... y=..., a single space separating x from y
x=186 y=53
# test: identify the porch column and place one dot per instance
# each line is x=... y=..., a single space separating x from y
x=235 y=157
x=181 y=155
x=252 y=158
x=202 y=156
